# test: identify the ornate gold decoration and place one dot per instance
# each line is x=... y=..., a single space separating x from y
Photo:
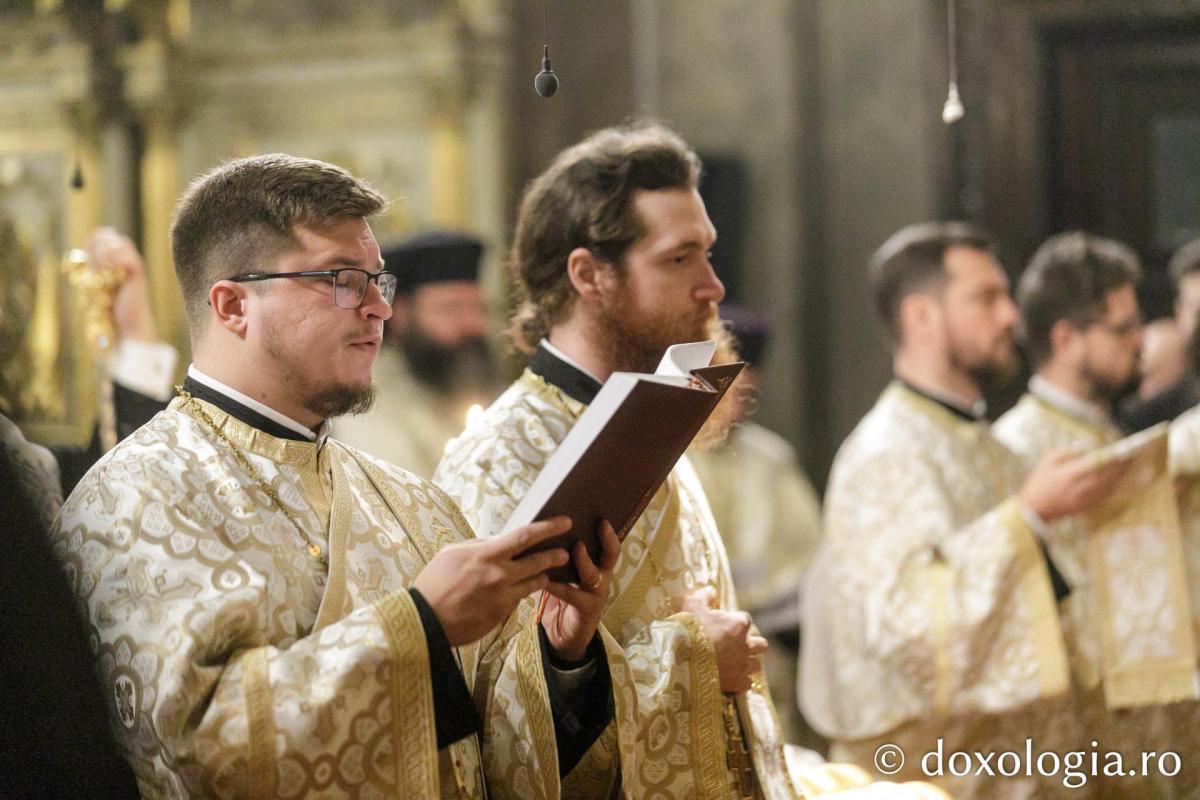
x=44 y=338
x=260 y=718
x=449 y=162
x=96 y=287
x=193 y=405
x=412 y=702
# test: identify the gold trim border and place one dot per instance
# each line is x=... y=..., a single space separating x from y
x=623 y=608
x=412 y=698
x=708 y=726
x=260 y=724
x=1033 y=582
x=531 y=684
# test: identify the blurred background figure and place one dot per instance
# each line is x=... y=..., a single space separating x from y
x=138 y=365
x=1169 y=381
x=1184 y=269
x=770 y=520
x=55 y=740
x=436 y=361
x=1081 y=330
x=1164 y=358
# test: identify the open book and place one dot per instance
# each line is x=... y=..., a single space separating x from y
x=1146 y=452
x=623 y=447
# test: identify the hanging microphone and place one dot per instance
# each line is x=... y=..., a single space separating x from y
x=77 y=182
x=545 y=83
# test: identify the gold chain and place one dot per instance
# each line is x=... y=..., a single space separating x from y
x=189 y=402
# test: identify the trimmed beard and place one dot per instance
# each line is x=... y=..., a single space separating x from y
x=988 y=374
x=326 y=401
x=340 y=399
x=1103 y=389
x=635 y=342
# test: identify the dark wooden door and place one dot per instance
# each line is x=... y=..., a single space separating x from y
x=1125 y=140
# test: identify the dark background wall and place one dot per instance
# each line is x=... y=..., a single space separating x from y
x=1078 y=114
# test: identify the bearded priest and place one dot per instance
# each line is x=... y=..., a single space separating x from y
x=931 y=615
x=611 y=258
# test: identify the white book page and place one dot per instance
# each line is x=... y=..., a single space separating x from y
x=681 y=359
x=667 y=380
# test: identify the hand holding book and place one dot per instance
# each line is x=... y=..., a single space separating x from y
x=575 y=611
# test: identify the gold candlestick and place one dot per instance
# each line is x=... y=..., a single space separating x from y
x=96 y=287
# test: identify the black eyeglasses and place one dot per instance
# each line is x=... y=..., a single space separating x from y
x=349 y=284
x=1121 y=330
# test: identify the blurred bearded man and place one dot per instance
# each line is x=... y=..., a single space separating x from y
x=1082 y=329
x=277 y=614
x=436 y=363
x=931 y=617
x=611 y=262
x=1162 y=401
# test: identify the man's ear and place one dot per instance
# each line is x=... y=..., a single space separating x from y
x=1062 y=337
x=228 y=301
x=916 y=313
x=586 y=272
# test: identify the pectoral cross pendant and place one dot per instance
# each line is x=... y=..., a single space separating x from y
x=737 y=757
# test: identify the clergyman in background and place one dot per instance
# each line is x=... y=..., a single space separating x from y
x=436 y=363
x=769 y=516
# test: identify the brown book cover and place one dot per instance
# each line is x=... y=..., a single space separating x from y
x=620 y=451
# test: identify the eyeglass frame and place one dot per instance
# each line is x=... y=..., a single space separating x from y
x=1121 y=330
x=375 y=277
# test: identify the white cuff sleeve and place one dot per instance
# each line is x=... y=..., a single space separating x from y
x=1035 y=521
x=145 y=367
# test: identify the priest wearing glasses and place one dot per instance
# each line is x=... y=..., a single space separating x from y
x=275 y=613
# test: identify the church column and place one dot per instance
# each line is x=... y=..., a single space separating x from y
x=156 y=95
x=160 y=190
x=83 y=118
x=448 y=163
x=85 y=211
x=449 y=103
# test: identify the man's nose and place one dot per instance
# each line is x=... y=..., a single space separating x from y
x=373 y=304
x=710 y=290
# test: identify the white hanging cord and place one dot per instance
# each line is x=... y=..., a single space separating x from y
x=953 y=110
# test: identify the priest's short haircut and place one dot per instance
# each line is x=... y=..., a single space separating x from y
x=585 y=199
x=913 y=260
x=1069 y=278
x=1185 y=261
x=241 y=216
